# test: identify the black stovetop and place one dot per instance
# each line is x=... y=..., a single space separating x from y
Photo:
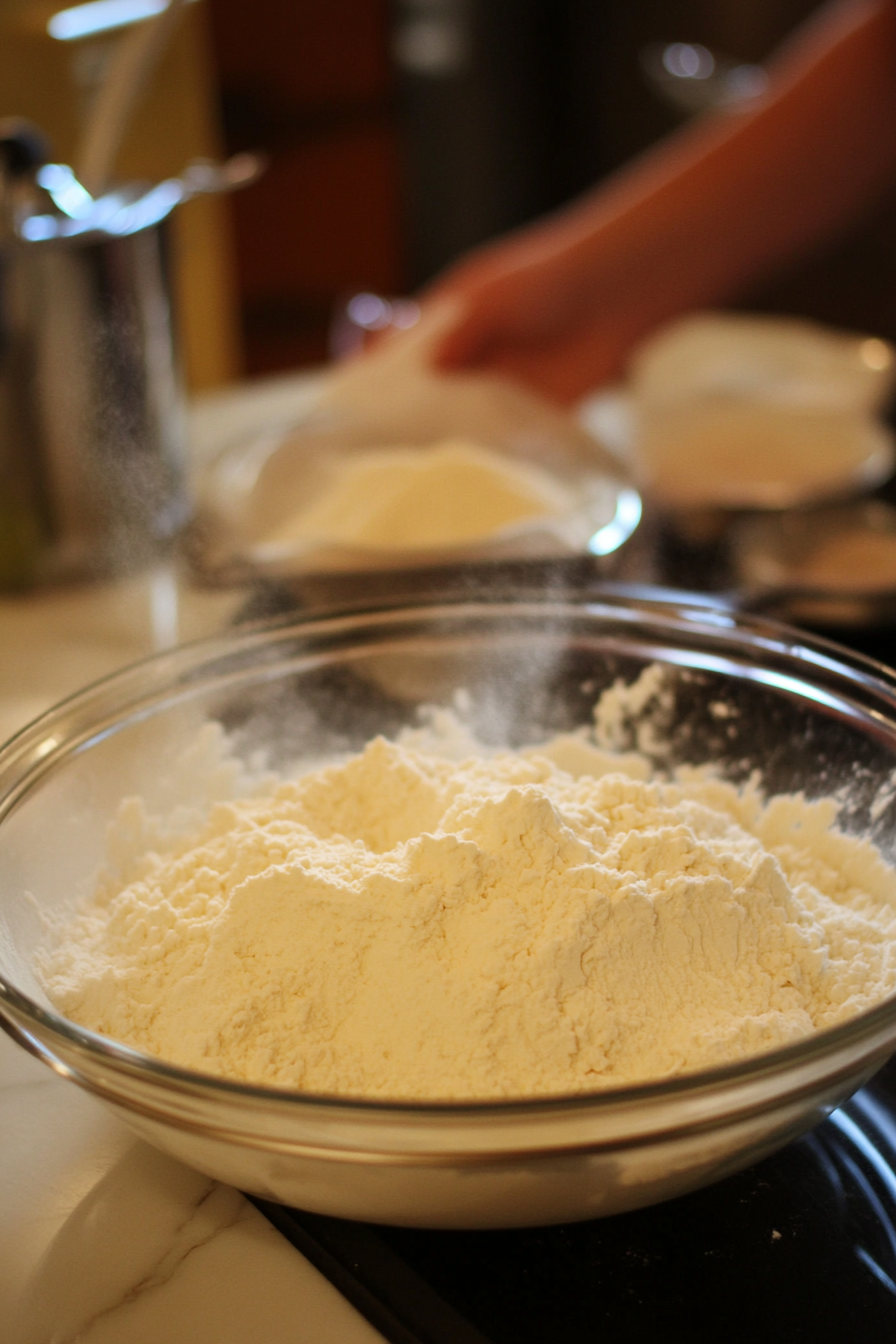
x=801 y=1247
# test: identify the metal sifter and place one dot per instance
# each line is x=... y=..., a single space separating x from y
x=91 y=423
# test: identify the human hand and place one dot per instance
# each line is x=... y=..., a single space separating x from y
x=540 y=310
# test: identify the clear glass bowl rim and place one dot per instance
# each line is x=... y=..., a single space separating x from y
x=26 y=757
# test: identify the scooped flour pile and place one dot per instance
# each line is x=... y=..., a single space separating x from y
x=445 y=495
x=409 y=925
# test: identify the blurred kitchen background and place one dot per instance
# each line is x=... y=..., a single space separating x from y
x=400 y=134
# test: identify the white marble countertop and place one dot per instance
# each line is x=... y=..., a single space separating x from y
x=102 y=1239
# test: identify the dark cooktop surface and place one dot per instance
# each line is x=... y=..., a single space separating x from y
x=801 y=1247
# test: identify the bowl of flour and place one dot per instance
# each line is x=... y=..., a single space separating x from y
x=394 y=466
x=479 y=914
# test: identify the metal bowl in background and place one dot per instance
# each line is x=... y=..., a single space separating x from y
x=814 y=717
x=92 y=423
x=833 y=566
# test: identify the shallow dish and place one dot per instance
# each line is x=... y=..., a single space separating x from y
x=811 y=715
x=737 y=411
x=339 y=491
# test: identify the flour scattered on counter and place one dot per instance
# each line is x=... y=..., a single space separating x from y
x=420 y=922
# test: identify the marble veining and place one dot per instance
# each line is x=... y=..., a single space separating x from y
x=102 y=1239
x=218 y=1207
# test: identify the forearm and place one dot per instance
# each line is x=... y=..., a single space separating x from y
x=730 y=197
x=693 y=222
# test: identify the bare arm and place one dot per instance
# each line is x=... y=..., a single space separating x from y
x=690 y=223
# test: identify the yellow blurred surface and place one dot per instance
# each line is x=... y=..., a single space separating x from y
x=52 y=83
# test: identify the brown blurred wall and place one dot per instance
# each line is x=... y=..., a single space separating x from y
x=312 y=85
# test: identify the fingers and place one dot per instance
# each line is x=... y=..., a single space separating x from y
x=539 y=324
x=476 y=322
x=465 y=345
x=486 y=292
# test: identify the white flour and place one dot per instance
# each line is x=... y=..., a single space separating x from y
x=445 y=495
x=407 y=924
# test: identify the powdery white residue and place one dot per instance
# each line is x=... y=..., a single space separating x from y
x=720 y=709
x=408 y=925
x=204 y=772
x=444 y=495
x=637 y=712
x=883 y=798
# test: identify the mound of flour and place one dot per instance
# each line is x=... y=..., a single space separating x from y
x=444 y=495
x=437 y=921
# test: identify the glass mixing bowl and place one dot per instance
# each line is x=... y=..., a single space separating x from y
x=747 y=694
